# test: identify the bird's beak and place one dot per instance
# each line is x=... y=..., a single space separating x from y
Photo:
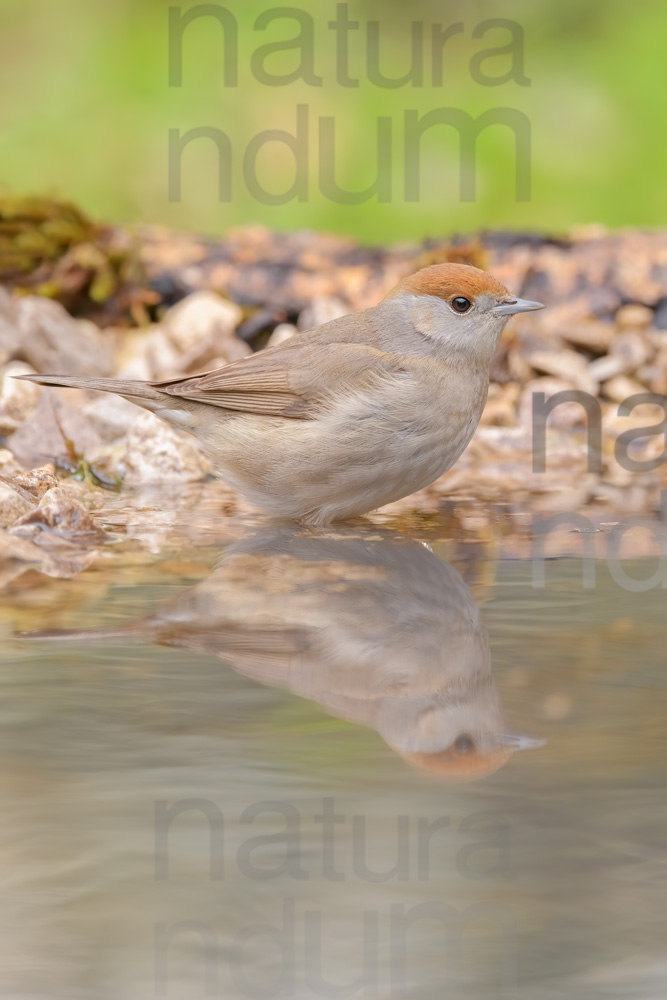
x=511 y=306
x=514 y=742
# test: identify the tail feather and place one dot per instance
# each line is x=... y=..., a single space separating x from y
x=142 y=632
x=124 y=387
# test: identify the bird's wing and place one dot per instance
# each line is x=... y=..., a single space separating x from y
x=287 y=381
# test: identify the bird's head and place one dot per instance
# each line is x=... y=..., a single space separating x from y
x=458 y=308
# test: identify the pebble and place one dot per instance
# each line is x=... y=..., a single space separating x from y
x=568 y=365
x=200 y=316
x=156 y=452
x=37 y=481
x=322 y=309
x=628 y=352
x=633 y=347
x=151 y=357
x=634 y=317
x=607 y=367
x=53 y=341
x=17 y=399
x=13 y=505
x=9 y=467
x=595 y=336
x=40 y=438
x=620 y=387
x=199 y=333
x=89 y=496
x=58 y=512
x=281 y=333
x=111 y=416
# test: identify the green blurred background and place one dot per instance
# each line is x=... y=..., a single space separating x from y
x=86 y=111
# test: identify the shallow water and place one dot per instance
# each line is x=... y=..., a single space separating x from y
x=244 y=784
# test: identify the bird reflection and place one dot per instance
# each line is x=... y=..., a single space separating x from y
x=373 y=627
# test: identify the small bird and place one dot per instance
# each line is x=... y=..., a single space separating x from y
x=352 y=415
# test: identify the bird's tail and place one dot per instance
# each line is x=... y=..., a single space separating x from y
x=124 y=387
x=143 y=631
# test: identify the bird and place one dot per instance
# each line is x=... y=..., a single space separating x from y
x=359 y=412
x=373 y=627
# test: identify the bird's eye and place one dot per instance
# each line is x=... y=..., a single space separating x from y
x=460 y=304
x=463 y=744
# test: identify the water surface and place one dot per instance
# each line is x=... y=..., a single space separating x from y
x=287 y=767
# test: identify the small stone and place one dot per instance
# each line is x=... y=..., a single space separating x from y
x=281 y=333
x=13 y=505
x=156 y=452
x=568 y=365
x=37 y=481
x=322 y=309
x=633 y=347
x=17 y=399
x=9 y=467
x=634 y=317
x=197 y=334
x=111 y=416
x=565 y=315
x=607 y=367
x=199 y=317
x=16 y=556
x=153 y=357
x=52 y=341
x=59 y=513
x=620 y=387
x=594 y=336
x=43 y=436
x=90 y=497
x=628 y=352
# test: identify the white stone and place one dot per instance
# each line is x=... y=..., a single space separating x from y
x=17 y=399
x=322 y=309
x=111 y=416
x=156 y=452
x=199 y=317
x=281 y=333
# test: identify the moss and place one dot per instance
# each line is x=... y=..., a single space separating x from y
x=49 y=247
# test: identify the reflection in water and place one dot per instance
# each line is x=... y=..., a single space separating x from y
x=373 y=627
x=546 y=881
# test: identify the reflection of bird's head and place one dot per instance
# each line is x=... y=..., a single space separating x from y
x=466 y=759
x=460 y=735
x=457 y=767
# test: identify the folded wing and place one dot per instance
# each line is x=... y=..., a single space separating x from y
x=288 y=381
